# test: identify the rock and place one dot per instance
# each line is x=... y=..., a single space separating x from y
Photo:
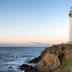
x=49 y=62
x=68 y=53
x=10 y=67
x=70 y=69
x=35 y=60
x=25 y=67
x=28 y=68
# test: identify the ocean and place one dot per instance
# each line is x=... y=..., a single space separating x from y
x=12 y=57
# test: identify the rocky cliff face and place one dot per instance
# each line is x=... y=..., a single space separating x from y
x=49 y=62
x=57 y=58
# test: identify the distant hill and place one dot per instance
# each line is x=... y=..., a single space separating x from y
x=31 y=44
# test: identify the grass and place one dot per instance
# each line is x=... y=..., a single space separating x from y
x=66 y=63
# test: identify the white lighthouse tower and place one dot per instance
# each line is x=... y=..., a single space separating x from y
x=70 y=26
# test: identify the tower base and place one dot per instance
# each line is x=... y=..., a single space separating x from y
x=69 y=42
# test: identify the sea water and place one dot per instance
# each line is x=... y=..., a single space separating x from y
x=12 y=57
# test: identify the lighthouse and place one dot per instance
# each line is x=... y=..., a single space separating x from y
x=70 y=26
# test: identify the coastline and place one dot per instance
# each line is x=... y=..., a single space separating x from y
x=57 y=58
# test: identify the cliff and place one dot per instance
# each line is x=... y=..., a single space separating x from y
x=57 y=58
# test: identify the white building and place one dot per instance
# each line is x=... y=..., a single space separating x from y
x=70 y=26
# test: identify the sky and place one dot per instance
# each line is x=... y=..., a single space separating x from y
x=25 y=21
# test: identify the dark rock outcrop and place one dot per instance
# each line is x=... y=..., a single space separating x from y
x=25 y=67
x=35 y=60
x=28 y=68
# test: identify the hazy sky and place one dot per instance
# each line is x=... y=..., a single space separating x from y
x=23 y=21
